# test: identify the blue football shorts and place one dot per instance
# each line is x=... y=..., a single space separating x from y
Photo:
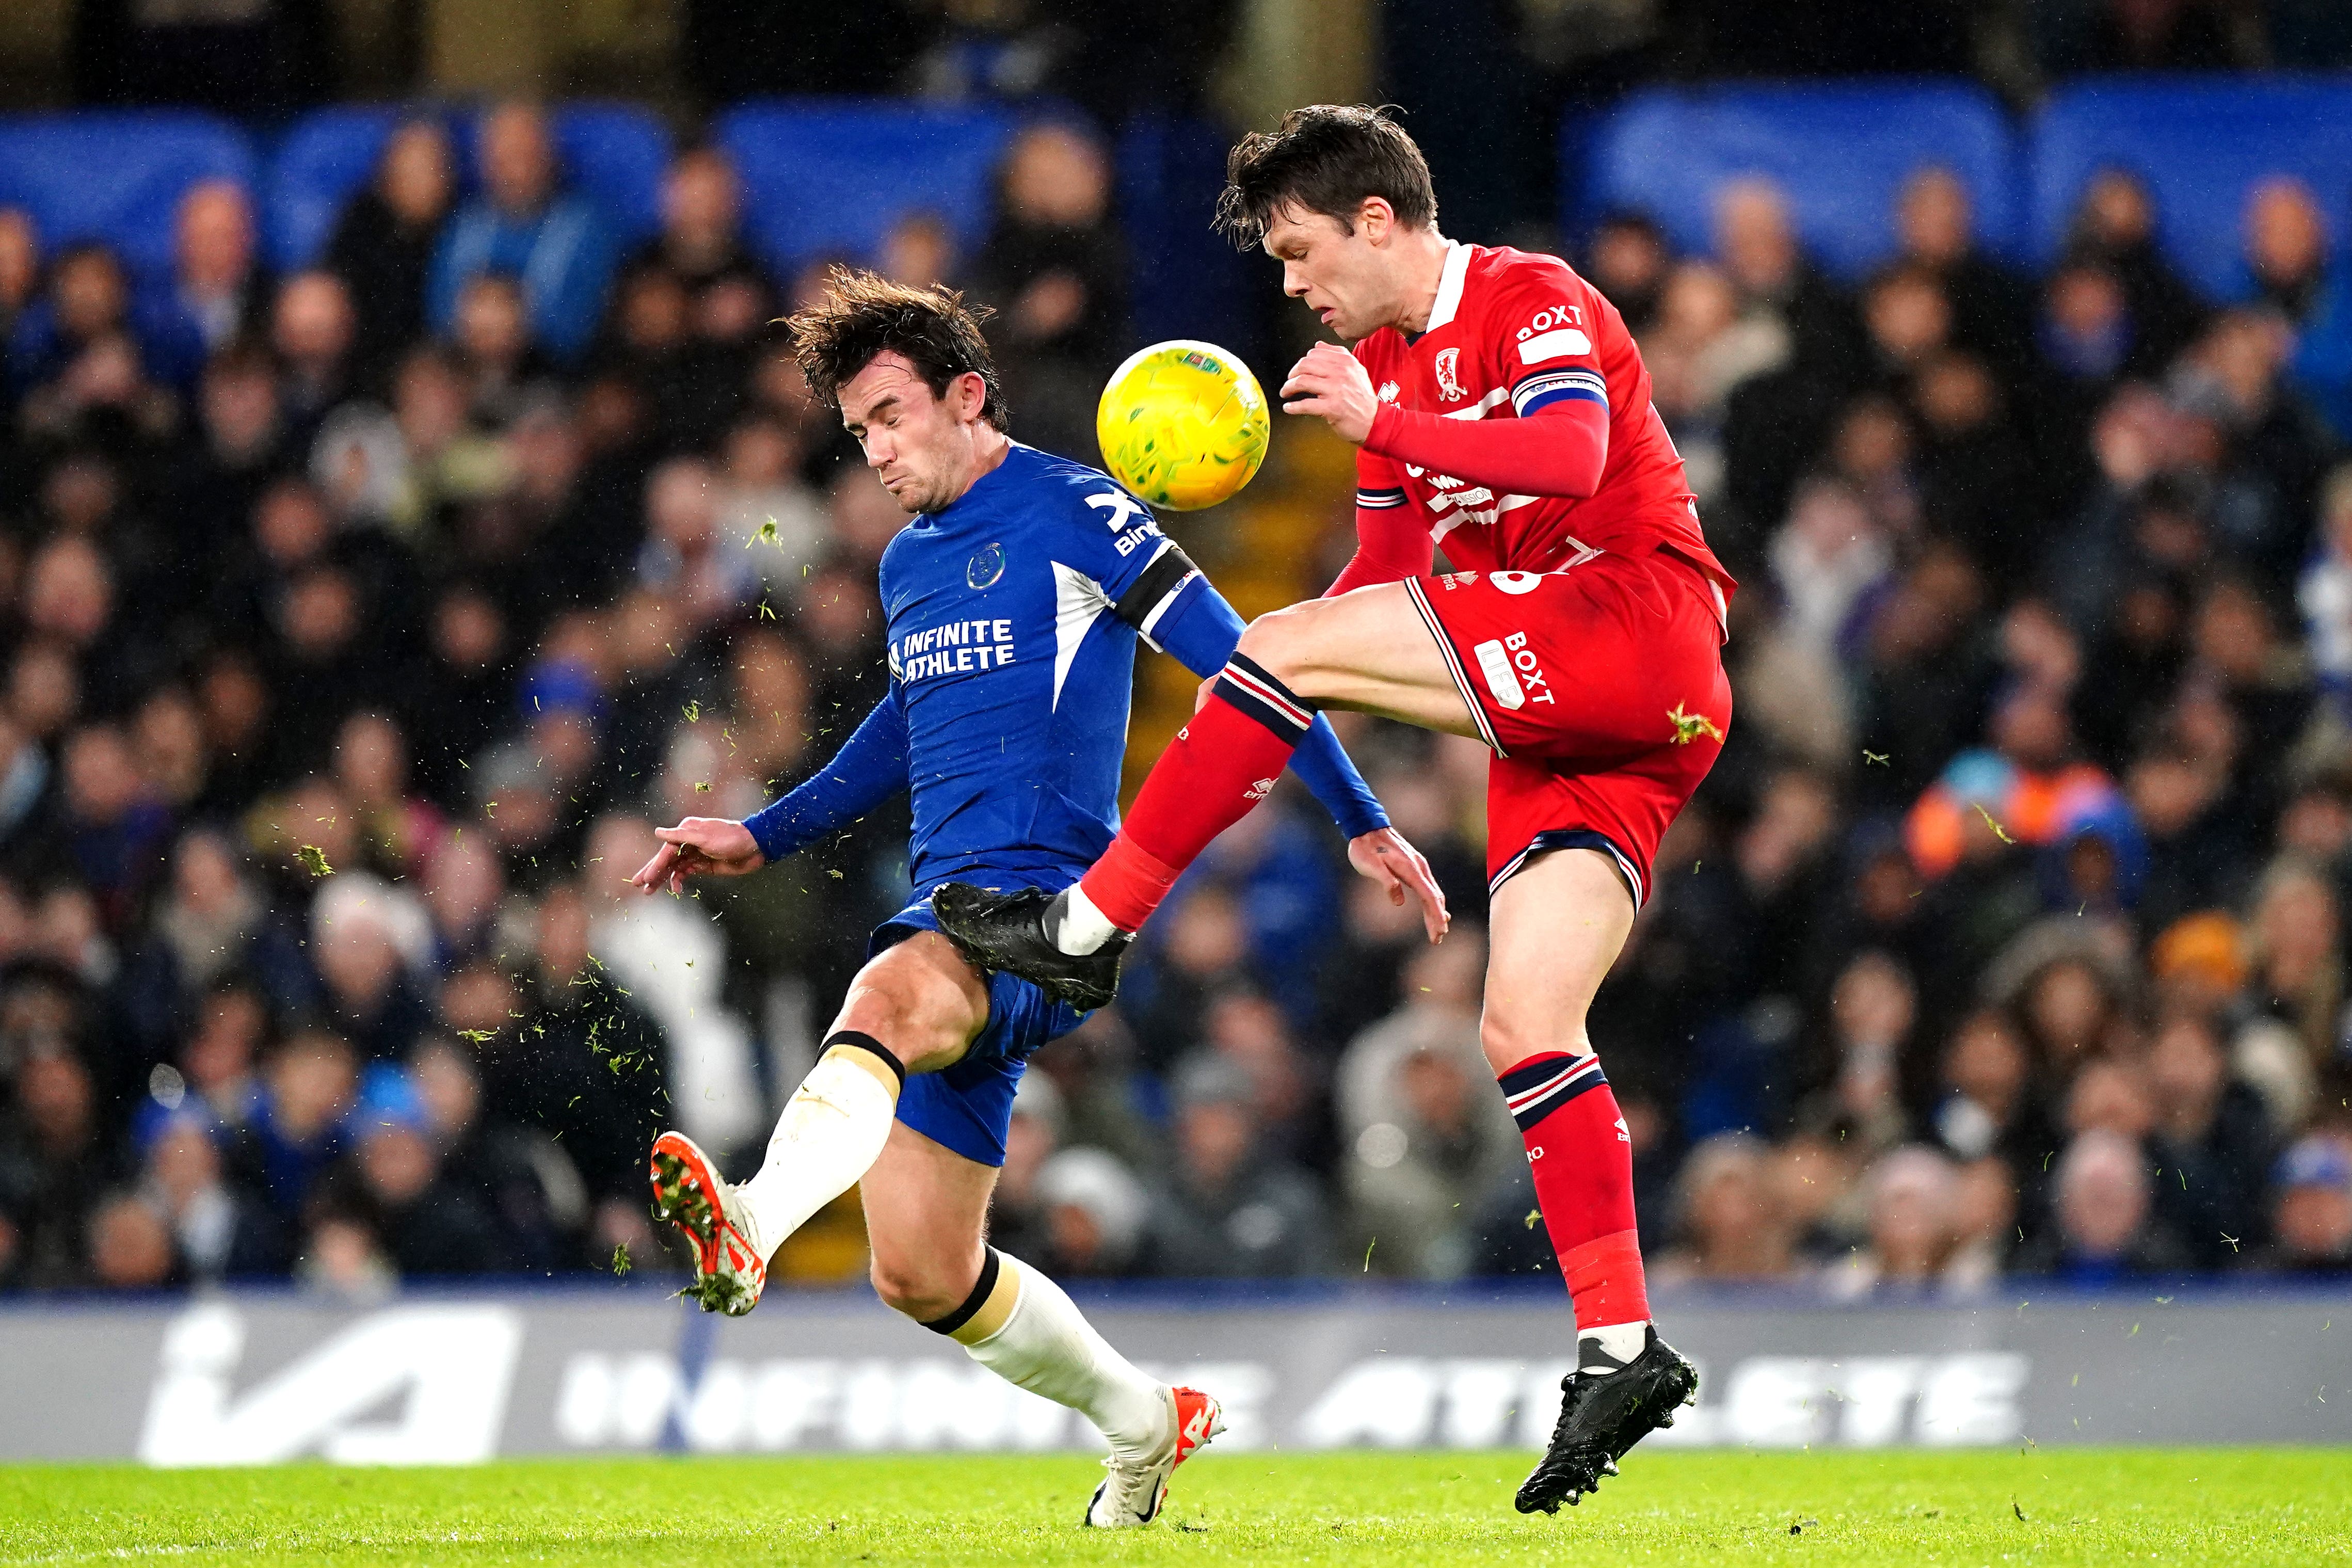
x=969 y=1107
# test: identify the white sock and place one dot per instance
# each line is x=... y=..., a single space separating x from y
x=1048 y=1347
x=1077 y=927
x=1617 y=1342
x=831 y=1132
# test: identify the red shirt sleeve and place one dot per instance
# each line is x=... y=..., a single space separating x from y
x=1391 y=544
x=1559 y=449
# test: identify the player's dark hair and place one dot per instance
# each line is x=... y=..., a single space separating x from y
x=1325 y=158
x=862 y=315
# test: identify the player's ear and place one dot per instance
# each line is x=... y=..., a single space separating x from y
x=966 y=394
x=1375 y=220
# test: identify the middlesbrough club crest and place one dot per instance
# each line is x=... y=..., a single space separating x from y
x=1448 y=387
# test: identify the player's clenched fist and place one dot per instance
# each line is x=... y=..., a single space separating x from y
x=1330 y=382
x=700 y=846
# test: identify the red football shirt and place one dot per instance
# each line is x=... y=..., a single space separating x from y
x=1510 y=332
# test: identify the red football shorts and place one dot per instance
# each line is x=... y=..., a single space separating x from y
x=1601 y=689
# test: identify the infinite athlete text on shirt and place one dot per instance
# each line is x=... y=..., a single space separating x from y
x=957 y=648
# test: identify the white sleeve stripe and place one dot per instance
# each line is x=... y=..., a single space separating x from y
x=1377 y=500
x=1160 y=608
x=1553 y=383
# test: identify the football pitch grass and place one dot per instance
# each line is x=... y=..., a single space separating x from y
x=2042 y=1506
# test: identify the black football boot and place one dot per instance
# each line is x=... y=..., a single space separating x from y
x=1602 y=1414
x=1006 y=932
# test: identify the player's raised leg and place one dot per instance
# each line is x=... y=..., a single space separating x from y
x=1556 y=927
x=926 y=1210
x=916 y=1005
x=1368 y=650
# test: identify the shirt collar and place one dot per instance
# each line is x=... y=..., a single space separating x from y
x=1449 y=286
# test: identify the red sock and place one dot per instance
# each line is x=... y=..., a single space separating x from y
x=1582 y=1162
x=1220 y=765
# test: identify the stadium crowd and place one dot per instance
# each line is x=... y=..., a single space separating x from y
x=361 y=622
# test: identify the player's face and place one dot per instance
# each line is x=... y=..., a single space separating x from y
x=1340 y=275
x=914 y=441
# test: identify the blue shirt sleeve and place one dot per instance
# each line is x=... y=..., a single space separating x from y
x=870 y=768
x=1151 y=585
x=1202 y=630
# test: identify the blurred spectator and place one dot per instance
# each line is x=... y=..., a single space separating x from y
x=2311 y=1226
x=218 y=292
x=315 y=331
x=1628 y=259
x=1095 y=1213
x=673 y=961
x=519 y=1176
x=1230 y=1206
x=919 y=249
x=130 y=1246
x=55 y=1160
x=1728 y=1223
x=1425 y=1138
x=1992 y=1108
x=20 y=278
x=219 y=1230
x=1699 y=347
x=1915 y=1213
x=301 y=1115
x=525 y=226
x=701 y=243
x=1873 y=1010
x=687 y=554
x=2115 y=228
x=425 y=1223
x=1056 y=266
x=1992 y=307
x=85 y=300
x=1017 y=1221
x=386 y=240
x=2212 y=1142
x=2103 y=1231
x=1756 y=244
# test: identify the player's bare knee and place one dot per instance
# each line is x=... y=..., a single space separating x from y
x=1282 y=644
x=1509 y=1040
x=911 y=1290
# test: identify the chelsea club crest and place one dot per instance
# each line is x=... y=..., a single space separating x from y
x=986 y=567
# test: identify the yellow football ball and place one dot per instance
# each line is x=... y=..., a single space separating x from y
x=1183 y=423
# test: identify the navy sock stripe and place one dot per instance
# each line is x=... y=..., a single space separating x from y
x=1534 y=1090
x=1246 y=687
x=1534 y=1114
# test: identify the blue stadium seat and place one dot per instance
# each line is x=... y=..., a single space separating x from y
x=116 y=177
x=833 y=174
x=1840 y=151
x=2201 y=145
x=615 y=152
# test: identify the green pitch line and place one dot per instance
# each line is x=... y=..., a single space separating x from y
x=2198 y=1507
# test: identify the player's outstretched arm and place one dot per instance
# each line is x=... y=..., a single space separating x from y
x=870 y=768
x=700 y=846
x=1560 y=449
x=1202 y=631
